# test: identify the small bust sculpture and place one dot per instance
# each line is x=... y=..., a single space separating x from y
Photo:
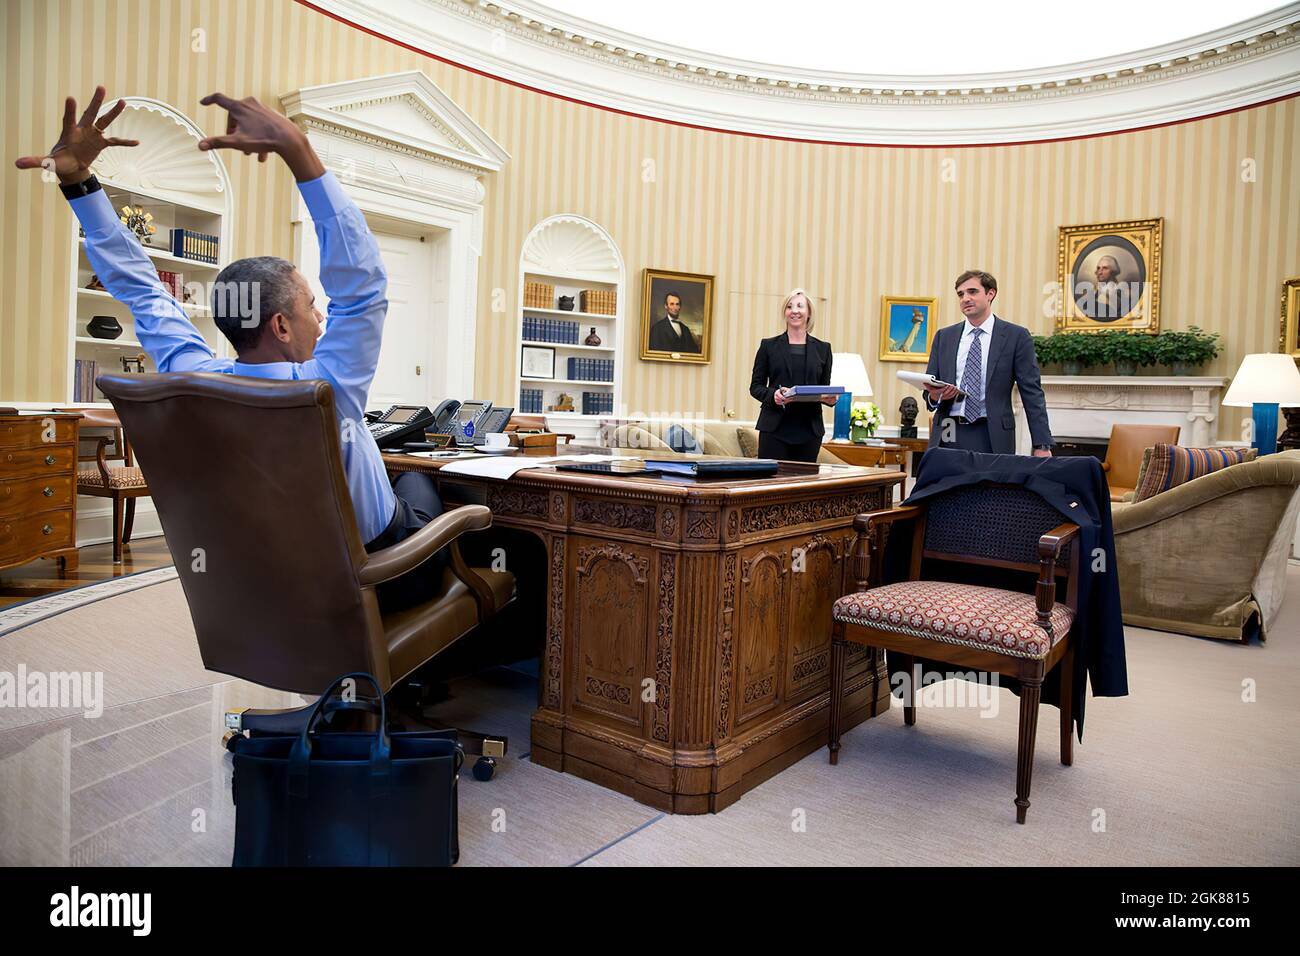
x=908 y=409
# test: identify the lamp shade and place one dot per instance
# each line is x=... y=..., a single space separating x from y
x=848 y=369
x=1266 y=378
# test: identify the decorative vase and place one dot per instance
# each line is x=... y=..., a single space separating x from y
x=104 y=327
x=1183 y=368
x=566 y=303
x=1072 y=368
x=1123 y=367
x=593 y=338
x=859 y=434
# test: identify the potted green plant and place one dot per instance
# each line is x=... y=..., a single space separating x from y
x=1186 y=351
x=1045 y=350
x=1077 y=351
x=864 y=419
x=1201 y=349
x=1128 y=350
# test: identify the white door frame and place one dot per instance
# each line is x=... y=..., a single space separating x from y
x=403 y=150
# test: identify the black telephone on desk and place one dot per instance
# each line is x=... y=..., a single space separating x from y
x=401 y=423
x=465 y=422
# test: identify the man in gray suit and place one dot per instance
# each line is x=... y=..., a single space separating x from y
x=982 y=357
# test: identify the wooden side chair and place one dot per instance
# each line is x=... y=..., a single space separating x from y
x=123 y=483
x=999 y=631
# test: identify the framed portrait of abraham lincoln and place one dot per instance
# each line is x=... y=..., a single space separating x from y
x=1109 y=274
x=676 y=317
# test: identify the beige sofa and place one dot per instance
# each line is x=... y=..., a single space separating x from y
x=1206 y=556
x=716 y=438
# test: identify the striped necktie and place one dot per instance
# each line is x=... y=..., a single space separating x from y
x=972 y=379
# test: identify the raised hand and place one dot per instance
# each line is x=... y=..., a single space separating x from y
x=253 y=128
x=80 y=142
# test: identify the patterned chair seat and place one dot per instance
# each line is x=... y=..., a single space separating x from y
x=119 y=476
x=991 y=619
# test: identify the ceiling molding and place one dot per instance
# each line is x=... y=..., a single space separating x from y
x=526 y=44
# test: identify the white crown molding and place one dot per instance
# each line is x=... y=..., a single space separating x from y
x=530 y=45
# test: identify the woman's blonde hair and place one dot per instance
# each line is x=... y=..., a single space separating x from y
x=807 y=298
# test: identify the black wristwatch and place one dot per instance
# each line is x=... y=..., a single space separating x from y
x=84 y=188
x=1042 y=448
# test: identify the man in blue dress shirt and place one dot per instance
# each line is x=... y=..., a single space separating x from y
x=265 y=307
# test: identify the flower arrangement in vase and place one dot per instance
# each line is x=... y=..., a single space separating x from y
x=864 y=419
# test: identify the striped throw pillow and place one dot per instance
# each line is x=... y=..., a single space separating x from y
x=1166 y=466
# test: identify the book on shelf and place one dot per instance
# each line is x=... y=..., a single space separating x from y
x=188 y=244
x=83 y=380
x=598 y=301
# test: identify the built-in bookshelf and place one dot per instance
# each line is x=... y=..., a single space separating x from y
x=182 y=189
x=567 y=256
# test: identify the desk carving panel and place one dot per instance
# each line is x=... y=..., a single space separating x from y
x=686 y=650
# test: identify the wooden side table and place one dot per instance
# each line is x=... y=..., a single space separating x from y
x=38 y=489
x=867 y=456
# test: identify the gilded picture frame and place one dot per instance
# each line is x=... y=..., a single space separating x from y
x=676 y=317
x=1289 y=333
x=1109 y=276
x=907 y=327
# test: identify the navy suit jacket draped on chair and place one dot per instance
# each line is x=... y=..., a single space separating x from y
x=1076 y=487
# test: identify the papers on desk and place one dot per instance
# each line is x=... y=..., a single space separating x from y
x=504 y=468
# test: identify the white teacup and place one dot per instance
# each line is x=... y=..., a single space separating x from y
x=496 y=440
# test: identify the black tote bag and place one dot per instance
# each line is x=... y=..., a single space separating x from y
x=346 y=799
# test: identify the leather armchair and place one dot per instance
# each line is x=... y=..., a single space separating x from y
x=247 y=475
x=1124 y=453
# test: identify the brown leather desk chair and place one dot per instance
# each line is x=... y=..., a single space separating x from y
x=123 y=483
x=1024 y=635
x=1124 y=453
x=248 y=479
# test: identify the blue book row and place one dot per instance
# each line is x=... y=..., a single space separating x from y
x=591 y=370
x=188 y=244
x=559 y=331
x=530 y=401
x=598 y=403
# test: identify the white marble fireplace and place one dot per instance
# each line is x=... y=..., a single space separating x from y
x=1086 y=406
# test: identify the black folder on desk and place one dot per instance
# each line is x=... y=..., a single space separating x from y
x=716 y=467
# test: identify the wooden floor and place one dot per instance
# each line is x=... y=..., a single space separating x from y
x=42 y=577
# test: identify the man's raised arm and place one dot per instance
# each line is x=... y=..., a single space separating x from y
x=351 y=270
x=118 y=259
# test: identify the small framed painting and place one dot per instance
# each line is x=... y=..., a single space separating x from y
x=907 y=327
x=676 y=316
x=1290 y=335
x=537 y=362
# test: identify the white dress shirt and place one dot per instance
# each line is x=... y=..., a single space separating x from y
x=967 y=336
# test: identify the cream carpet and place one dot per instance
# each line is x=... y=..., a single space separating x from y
x=1190 y=769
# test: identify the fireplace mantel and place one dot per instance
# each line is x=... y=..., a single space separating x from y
x=1086 y=406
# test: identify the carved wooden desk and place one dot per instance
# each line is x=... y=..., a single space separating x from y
x=686 y=648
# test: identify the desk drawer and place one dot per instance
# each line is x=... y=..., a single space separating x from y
x=30 y=432
x=35 y=534
x=28 y=495
x=40 y=461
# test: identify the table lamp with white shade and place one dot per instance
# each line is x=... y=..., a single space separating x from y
x=848 y=369
x=1265 y=381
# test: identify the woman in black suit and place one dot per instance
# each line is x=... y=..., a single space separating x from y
x=791 y=431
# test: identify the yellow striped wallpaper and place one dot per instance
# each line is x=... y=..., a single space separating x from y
x=847 y=223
